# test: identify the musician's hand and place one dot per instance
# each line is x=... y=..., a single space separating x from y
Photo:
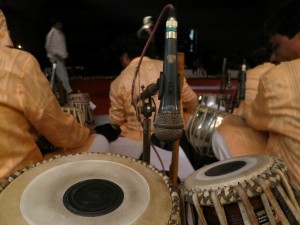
x=110 y=131
x=92 y=131
x=240 y=111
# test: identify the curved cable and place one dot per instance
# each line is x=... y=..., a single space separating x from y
x=137 y=69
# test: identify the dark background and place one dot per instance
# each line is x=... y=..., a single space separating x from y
x=224 y=28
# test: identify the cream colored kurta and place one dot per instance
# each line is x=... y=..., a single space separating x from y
x=252 y=80
x=27 y=105
x=277 y=109
x=240 y=139
x=122 y=112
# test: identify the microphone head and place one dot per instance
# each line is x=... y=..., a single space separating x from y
x=168 y=125
x=172 y=12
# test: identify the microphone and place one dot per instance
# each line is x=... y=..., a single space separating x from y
x=168 y=122
x=150 y=90
x=242 y=77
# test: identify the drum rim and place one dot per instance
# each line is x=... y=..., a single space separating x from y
x=193 y=132
x=248 y=182
x=175 y=211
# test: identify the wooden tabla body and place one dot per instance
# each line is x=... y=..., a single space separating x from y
x=247 y=190
x=89 y=189
x=200 y=128
x=76 y=112
x=82 y=101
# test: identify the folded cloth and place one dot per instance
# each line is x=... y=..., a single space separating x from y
x=108 y=131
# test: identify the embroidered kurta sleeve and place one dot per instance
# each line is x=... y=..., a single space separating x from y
x=276 y=109
x=117 y=103
x=41 y=108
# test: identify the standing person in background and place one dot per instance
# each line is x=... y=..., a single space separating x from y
x=56 y=48
x=144 y=33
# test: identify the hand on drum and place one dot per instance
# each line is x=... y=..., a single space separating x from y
x=92 y=131
x=235 y=138
x=240 y=111
x=108 y=130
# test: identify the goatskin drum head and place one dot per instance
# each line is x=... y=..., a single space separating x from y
x=89 y=189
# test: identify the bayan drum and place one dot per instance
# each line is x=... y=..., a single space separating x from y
x=82 y=101
x=76 y=112
x=200 y=128
x=89 y=189
x=247 y=190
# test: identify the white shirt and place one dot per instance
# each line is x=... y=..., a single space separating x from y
x=56 y=44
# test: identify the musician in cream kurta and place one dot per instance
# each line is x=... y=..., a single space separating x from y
x=123 y=114
x=28 y=108
x=276 y=107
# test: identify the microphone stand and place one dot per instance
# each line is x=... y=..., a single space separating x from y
x=52 y=79
x=223 y=76
x=147 y=110
x=176 y=144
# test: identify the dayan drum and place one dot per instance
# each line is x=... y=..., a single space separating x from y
x=248 y=190
x=89 y=189
x=82 y=101
x=76 y=112
x=200 y=128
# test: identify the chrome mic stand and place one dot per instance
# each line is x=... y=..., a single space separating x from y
x=147 y=110
x=52 y=80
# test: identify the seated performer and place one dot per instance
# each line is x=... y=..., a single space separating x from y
x=122 y=114
x=29 y=108
x=275 y=109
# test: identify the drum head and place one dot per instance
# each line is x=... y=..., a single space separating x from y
x=222 y=177
x=87 y=189
x=228 y=172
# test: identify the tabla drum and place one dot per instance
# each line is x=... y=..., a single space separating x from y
x=89 y=189
x=82 y=101
x=76 y=112
x=250 y=190
x=200 y=128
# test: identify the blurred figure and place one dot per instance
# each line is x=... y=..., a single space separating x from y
x=259 y=56
x=144 y=33
x=56 y=48
x=198 y=68
x=29 y=109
